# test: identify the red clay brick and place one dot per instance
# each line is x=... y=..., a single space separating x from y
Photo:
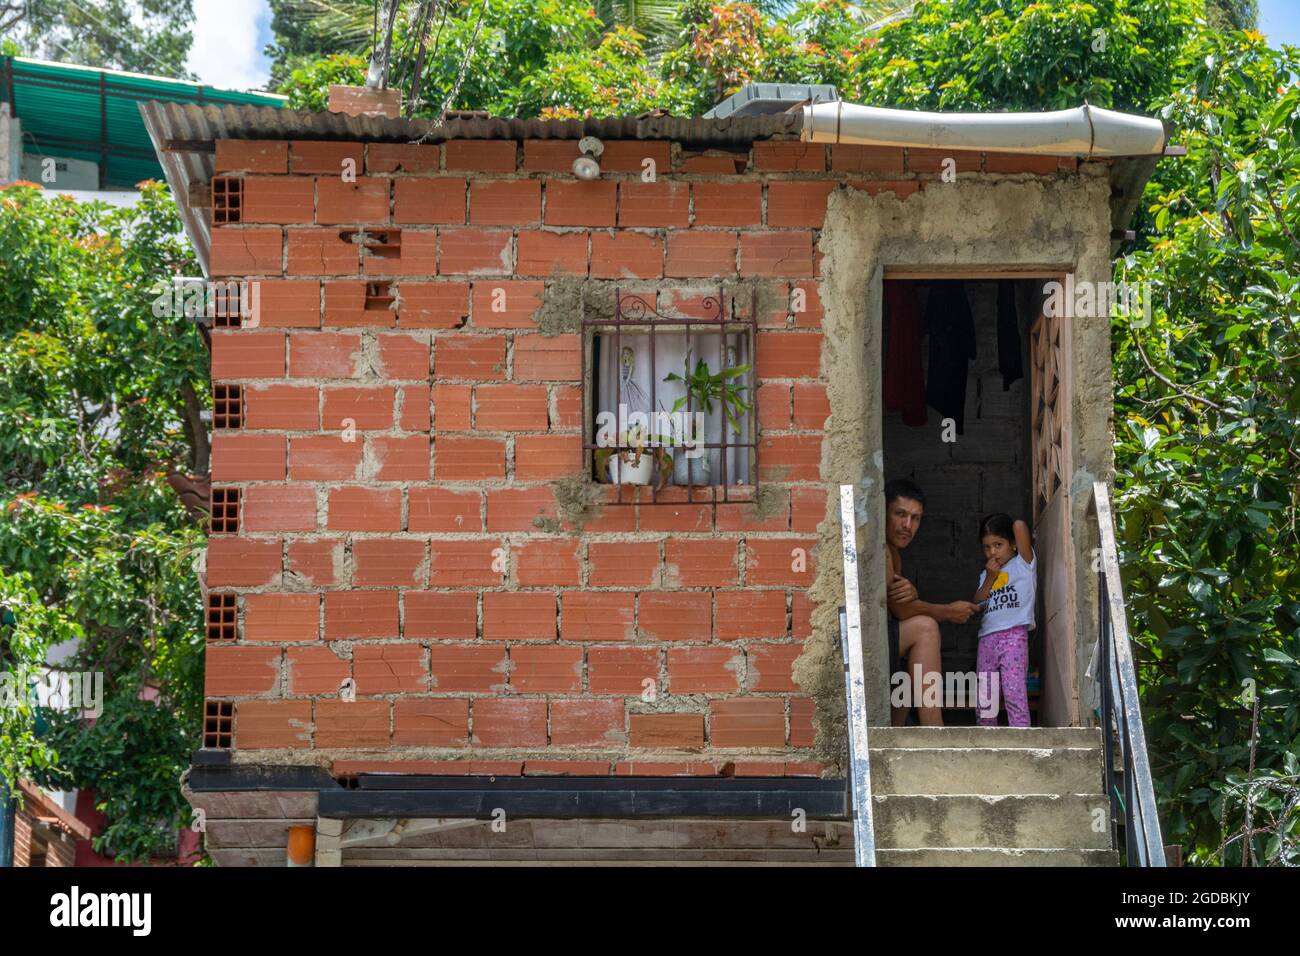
x=441 y=510
x=789 y=157
x=596 y=616
x=801 y=609
x=417 y=254
x=465 y=563
x=551 y=253
x=429 y=201
x=811 y=406
x=715 y=162
x=481 y=155
x=622 y=670
x=568 y=408
x=520 y=509
x=389 y=669
x=440 y=615
x=779 y=561
x=675 y=516
x=359 y=615
x=320 y=252
x=509 y=723
x=654 y=205
x=467 y=250
x=252 y=457
x=367 y=408
x=663 y=768
x=668 y=731
x=282 y=617
x=324 y=355
x=278 y=199
x=352 y=724
x=629 y=156
x=675 y=615
x=791 y=458
x=550 y=155
x=547 y=358
x=700 y=254
x=400 y=459
x=507 y=303
x=626 y=255
x=807 y=508
x=510 y=408
x=632 y=564
x=457 y=669
x=769 y=668
x=728 y=204
x=432 y=305
x=545 y=669
x=703 y=670
x=323 y=458
x=581 y=203
x=315 y=561
x=287 y=407
x=744 y=517
x=279 y=508
x=316 y=670
x=789 y=355
x=364 y=509
x=365 y=200
x=787 y=253
x=931 y=160
x=754 y=722
x=540 y=563
x=793 y=204
x=431 y=722
x=468 y=459
x=587 y=722
x=476 y=357
x=806 y=304
x=801 y=722
x=254 y=156
x=547 y=457
x=773 y=406
x=288 y=303
x=239 y=671
x=246 y=252
x=750 y=614
x=505 y=202
x=388 y=562
x=402 y=158
x=324 y=157
x=243 y=354
x=518 y=616
x=566 y=768
x=696 y=562
x=451 y=407
x=886 y=160
x=272 y=724
x=403 y=357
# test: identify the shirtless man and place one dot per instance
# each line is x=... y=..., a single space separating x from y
x=913 y=623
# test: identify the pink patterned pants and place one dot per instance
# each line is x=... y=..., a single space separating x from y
x=1006 y=654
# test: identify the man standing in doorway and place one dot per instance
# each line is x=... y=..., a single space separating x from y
x=913 y=623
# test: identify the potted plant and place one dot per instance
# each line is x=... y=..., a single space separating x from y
x=634 y=464
x=704 y=387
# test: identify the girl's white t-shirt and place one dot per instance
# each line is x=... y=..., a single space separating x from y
x=1011 y=596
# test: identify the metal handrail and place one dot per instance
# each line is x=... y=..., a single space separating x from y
x=1120 y=710
x=855 y=690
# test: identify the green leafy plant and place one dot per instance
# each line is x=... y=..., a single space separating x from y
x=704 y=387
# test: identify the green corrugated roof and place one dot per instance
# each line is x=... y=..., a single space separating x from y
x=92 y=114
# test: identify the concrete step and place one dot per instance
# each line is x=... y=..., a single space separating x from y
x=1001 y=737
x=985 y=770
x=1009 y=821
x=983 y=856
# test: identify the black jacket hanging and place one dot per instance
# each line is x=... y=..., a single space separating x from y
x=1009 y=361
x=951 y=329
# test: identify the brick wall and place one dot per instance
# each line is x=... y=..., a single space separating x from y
x=404 y=471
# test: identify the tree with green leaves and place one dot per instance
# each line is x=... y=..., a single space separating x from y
x=140 y=36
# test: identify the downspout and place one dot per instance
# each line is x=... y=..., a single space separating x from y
x=1086 y=131
x=8 y=808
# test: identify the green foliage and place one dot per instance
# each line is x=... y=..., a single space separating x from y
x=98 y=397
x=142 y=36
x=704 y=387
x=1207 y=408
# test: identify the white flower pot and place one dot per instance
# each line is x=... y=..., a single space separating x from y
x=632 y=472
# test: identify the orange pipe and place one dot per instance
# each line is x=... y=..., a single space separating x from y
x=302 y=846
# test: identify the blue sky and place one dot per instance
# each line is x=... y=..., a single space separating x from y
x=227 y=53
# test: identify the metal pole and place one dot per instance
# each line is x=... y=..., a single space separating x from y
x=864 y=839
x=8 y=808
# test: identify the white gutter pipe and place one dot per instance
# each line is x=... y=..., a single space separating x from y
x=1084 y=131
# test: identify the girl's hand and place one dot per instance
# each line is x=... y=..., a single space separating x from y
x=993 y=567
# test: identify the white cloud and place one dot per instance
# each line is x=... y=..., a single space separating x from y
x=229 y=36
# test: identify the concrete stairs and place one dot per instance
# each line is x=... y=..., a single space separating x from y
x=995 y=796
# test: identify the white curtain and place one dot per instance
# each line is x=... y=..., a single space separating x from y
x=625 y=376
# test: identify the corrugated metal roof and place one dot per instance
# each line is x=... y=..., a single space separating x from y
x=92 y=114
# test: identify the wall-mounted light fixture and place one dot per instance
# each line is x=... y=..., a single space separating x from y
x=587 y=165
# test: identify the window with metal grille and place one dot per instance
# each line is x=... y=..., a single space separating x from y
x=670 y=401
x=225 y=511
x=218 y=724
x=227 y=200
x=221 y=617
x=227 y=406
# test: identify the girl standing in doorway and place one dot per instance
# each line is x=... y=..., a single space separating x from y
x=1008 y=590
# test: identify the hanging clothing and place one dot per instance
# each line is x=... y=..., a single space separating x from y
x=904 y=379
x=951 y=328
x=1010 y=363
